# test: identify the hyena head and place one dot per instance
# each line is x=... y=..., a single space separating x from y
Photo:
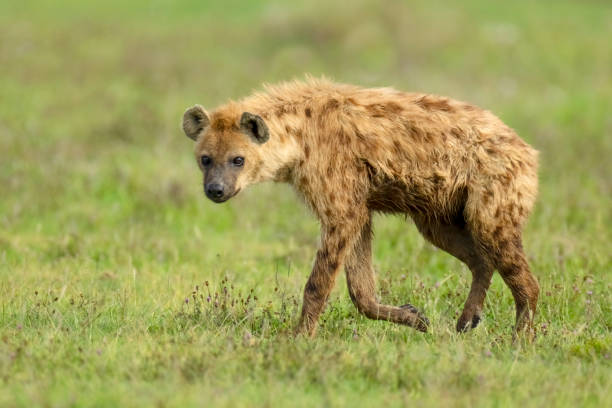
x=227 y=149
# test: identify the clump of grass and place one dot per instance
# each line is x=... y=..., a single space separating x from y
x=224 y=305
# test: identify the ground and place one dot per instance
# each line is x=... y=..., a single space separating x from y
x=109 y=250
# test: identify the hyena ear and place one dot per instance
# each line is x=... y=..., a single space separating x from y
x=255 y=127
x=195 y=120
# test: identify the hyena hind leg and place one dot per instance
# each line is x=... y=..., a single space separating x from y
x=511 y=262
x=457 y=241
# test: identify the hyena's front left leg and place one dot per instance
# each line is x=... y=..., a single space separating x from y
x=336 y=240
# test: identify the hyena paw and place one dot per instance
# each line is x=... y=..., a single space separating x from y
x=468 y=321
x=416 y=318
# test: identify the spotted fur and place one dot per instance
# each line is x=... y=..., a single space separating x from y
x=464 y=177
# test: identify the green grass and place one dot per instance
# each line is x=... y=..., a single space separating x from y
x=106 y=241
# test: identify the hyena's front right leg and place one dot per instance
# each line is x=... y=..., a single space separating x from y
x=335 y=241
x=361 y=282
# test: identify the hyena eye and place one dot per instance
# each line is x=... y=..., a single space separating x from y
x=238 y=161
x=205 y=160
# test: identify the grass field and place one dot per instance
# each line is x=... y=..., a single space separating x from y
x=109 y=251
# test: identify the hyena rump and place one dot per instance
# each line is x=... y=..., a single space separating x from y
x=466 y=179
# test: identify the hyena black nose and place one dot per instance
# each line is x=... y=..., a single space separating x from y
x=214 y=191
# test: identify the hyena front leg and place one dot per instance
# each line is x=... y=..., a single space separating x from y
x=336 y=240
x=361 y=283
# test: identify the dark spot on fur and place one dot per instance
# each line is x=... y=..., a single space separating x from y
x=331 y=104
x=393 y=107
x=323 y=254
x=342 y=137
x=341 y=244
x=456 y=132
x=410 y=308
x=280 y=111
x=497 y=232
x=506 y=178
x=518 y=243
x=432 y=103
x=308 y=112
x=397 y=145
x=376 y=110
x=310 y=286
x=437 y=180
x=487 y=197
x=332 y=198
x=307 y=151
x=416 y=132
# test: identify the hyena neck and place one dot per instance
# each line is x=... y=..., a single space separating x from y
x=283 y=150
x=282 y=153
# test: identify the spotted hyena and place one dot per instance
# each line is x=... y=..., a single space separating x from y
x=464 y=177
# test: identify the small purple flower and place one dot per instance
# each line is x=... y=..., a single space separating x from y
x=208 y=299
x=590 y=292
x=99 y=352
x=186 y=300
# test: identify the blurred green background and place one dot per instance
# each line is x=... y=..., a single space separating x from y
x=105 y=232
